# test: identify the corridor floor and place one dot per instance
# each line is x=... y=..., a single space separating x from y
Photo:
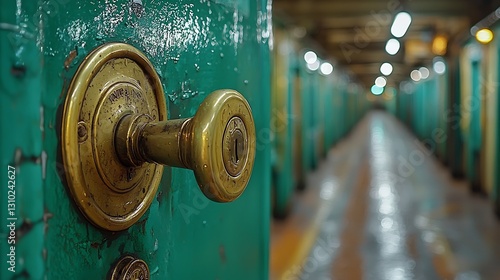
x=381 y=206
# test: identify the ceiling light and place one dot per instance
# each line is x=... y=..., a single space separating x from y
x=484 y=36
x=380 y=81
x=313 y=66
x=439 y=66
x=424 y=72
x=400 y=25
x=439 y=45
x=310 y=57
x=415 y=75
x=326 y=68
x=392 y=46
x=376 y=90
x=386 y=68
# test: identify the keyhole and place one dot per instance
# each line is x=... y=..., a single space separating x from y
x=234 y=147
x=236 y=150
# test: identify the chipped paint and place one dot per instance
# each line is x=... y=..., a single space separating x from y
x=71 y=56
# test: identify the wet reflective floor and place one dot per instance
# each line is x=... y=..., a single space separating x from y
x=381 y=206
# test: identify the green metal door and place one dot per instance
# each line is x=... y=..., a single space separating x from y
x=195 y=48
x=307 y=123
x=338 y=111
x=328 y=119
x=496 y=178
x=453 y=117
x=283 y=181
x=474 y=137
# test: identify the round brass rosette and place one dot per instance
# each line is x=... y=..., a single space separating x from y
x=113 y=81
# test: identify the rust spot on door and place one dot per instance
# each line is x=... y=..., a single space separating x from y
x=222 y=253
x=70 y=58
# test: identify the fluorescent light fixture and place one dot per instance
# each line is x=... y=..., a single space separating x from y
x=484 y=36
x=326 y=68
x=400 y=25
x=416 y=75
x=313 y=66
x=380 y=81
x=439 y=66
x=310 y=57
x=386 y=68
x=376 y=90
x=424 y=72
x=392 y=46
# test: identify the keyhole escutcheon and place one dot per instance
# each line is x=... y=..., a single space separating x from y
x=235 y=146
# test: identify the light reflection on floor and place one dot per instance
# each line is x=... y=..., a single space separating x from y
x=387 y=258
x=380 y=207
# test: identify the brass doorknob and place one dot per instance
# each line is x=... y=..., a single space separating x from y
x=218 y=143
x=116 y=137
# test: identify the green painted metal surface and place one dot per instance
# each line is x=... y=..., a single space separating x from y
x=282 y=120
x=314 y=93
x=443 y=91
x=196 y=47
x=329 y=119
x=453 y=117
x=22 y=204
x=307 y=119
x=423 y=106
x=474 y=135
x=496 y=179
x=318 y=94
x=338 y=111
x=298 y=130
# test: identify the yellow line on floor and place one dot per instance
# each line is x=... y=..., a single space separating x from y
x=305 y=234
x=295 y=267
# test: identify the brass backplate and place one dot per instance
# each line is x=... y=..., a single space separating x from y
x=113 y=81
x=130 y=268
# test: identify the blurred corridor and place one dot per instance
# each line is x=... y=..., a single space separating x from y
x=382 y=207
